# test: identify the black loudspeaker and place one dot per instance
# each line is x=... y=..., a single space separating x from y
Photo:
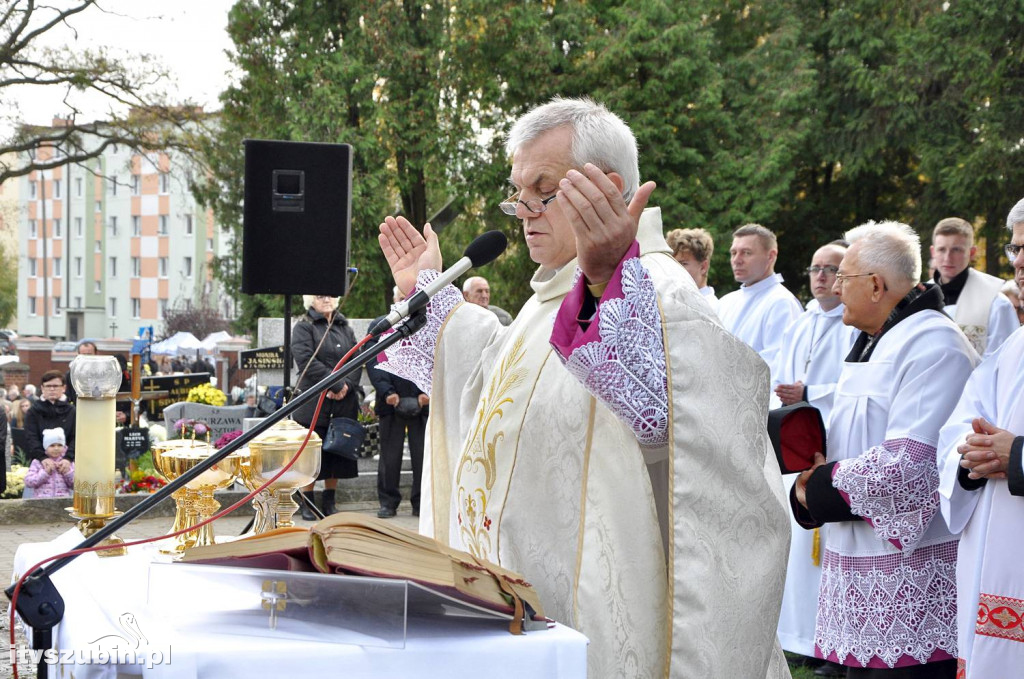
x=296 y=219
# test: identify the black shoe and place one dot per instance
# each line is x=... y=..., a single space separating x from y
x=327 y=503
x=386 y=513
x=307 y=513
x=830 y=669
x=416 y=511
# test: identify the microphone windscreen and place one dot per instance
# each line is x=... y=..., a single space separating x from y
x=486 y=247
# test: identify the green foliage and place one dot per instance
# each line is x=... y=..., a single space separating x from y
x=808 y=116
x=8 y=287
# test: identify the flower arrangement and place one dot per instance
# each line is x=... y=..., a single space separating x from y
x=157 y=433
x=15 y=481
x=366 y=415
x=208 y=394
x=139 y=481
x=190 y=429
x=227 y=438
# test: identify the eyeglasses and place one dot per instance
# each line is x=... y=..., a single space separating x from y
x=815 y=270
x=59 y=385
x=842 y=277
x=322 y=298
x=508 y=206
x=1012 y=250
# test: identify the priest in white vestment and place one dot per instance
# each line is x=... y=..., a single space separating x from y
x=761 y=310
x=807 y=369
x=982 y=490
x=611 y=443
x=887 y=602
x=693 y=249
x=973 y=299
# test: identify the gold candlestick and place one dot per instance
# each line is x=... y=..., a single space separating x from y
x=96 y=379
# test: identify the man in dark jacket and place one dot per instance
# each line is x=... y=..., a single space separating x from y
x=401 y=409
x=49 y=411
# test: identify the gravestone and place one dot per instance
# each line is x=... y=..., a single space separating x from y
x=220 y=419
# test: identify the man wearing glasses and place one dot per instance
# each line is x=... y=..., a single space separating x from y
x=972 y=297
x=887 y=602
x=807 y=369
x=611 y=443
x=47 y=412
x=982 y=491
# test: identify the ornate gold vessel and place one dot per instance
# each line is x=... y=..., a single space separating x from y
x=268 y=454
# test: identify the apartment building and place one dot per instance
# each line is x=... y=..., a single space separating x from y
x=110 y=245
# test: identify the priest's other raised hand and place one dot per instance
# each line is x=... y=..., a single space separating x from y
x=407 y=251
x=603 y=224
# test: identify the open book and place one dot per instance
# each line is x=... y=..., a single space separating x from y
x=356 y=544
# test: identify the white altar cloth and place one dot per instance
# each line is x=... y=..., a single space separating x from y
x=105 y=608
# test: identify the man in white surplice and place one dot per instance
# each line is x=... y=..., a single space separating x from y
x=887 y=601
x=761 y=310
x=982 y=490
x=611 y=443
x=972 y=297
x=807 y=369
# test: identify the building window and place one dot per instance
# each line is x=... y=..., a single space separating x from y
x=56 y=267
x=56 y=188
x=33 y=229
x=99 y=206
x=113 y=226
x=78 y=227
x=187 y=267
x=113 y=185
x=78 y=187
x=56 y=306
x=31 y=306
x=136 y=307
x=112 y=267
x=163 y=225
x=32 y=189
x=208 y=287
x=165 y=182
x=162 y=262
x=136 y=267
x=209 y=245
x=99 y=246
x=78 y=267
x=113 y=306
x=188 y=225
x=161 y=308
x=136 y=225
x=97 y=286
x=78 y=302
x=135 y=184
x=32 y=267
x=57 y=233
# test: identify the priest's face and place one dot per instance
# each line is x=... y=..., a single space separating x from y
x=952 y=254
x=537 y=167
x=751 y=261
x=824 y=265
x=1018 y=261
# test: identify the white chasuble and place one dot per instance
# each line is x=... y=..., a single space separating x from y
x=990 y=584
x=526 y=467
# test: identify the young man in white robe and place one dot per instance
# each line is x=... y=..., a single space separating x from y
x=610 y=444
x=972 y=298
x=982 y=490
x=761 y=310
x=887 y=602
x=693 y=248
x=807 y=369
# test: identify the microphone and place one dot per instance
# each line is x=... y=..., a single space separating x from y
x=484 y=249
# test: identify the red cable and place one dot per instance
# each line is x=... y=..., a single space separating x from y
x=221 y=513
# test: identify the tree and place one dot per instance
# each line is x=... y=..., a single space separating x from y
x=199 y=318
x=139 y=116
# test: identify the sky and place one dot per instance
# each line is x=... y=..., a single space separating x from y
x=188 y=37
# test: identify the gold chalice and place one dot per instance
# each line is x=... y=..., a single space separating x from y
x=268 y=454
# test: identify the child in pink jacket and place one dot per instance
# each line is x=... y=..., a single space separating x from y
x=52 y=476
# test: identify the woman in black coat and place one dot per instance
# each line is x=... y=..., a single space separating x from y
x=319 y=341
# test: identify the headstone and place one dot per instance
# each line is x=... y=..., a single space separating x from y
x=220 y=419
x=177 y=387
x=133 y=441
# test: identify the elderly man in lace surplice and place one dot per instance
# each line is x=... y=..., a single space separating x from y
x=887 y=601
x=610 y=444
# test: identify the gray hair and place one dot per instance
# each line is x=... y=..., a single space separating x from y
x=889 y=248
x=1016 y=215
x=598 y=136
x=468 y=283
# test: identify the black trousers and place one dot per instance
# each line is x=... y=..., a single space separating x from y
x=393 y=430
x=944 y=669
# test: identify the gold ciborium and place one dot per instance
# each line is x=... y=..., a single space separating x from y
x=195 y=502
x=268 y=454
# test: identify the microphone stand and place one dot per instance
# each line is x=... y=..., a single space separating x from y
x=39 y=603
